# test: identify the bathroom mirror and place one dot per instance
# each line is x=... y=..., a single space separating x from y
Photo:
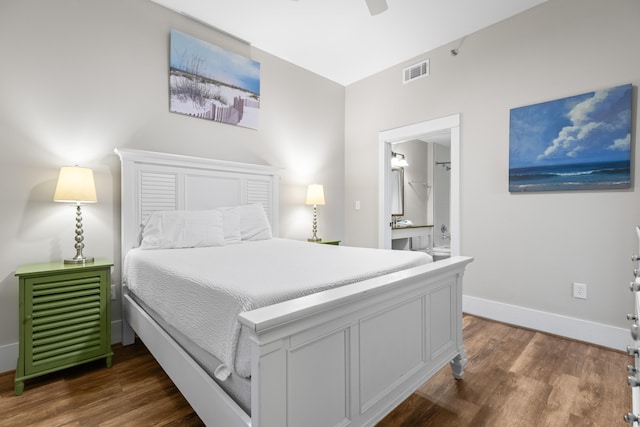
x=397 y=192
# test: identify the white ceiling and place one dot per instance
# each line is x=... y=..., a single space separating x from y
x=338 y=39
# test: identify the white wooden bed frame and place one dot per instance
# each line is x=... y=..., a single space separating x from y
x=343 y=357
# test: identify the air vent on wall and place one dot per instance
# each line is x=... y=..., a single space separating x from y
x=415 y=71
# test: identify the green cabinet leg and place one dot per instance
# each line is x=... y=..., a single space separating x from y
x=19 y=387
x=109 y=361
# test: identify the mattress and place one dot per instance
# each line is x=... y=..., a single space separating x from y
x=200 y=291
x=236 y=387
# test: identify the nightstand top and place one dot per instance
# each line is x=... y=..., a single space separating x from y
x=60 y=266
x=325 y=242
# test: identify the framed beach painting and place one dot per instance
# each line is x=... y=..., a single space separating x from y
x=211 y=83
x=582 y=142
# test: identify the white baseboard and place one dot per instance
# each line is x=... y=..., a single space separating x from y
x=569 y=327
x=8 y=357
x=9 y=352
x=116 y=331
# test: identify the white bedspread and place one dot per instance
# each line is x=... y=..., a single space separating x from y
x=201 y=291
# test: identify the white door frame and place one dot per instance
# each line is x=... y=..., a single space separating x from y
x=407 y=133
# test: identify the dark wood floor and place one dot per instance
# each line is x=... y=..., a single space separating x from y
x=515 y=377
x=518 y=377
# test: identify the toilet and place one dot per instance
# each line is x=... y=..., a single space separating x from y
x=423 y=244
x=441 y=252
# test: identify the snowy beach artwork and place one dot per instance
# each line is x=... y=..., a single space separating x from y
x=581 y=142
x=209 y=82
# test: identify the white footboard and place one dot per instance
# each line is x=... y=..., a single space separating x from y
x=348 y=356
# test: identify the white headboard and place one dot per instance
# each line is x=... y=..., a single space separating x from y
x=153 y=181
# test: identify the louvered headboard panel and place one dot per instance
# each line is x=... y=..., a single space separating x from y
x=153 y=181
x=158 y=192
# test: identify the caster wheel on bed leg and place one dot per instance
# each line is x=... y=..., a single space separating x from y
x=458 y=364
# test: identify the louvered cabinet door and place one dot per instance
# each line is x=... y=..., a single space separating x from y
x=64 y=317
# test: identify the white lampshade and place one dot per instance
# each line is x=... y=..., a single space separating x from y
x=75 y=184
x=315 y=195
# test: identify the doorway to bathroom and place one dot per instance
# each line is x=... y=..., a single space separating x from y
x=442 y=136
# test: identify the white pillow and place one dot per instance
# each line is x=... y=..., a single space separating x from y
x=230 y=225
x=183 y=229
x=253 y=221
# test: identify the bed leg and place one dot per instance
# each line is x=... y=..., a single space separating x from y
x=459 y=363
x=128 y=334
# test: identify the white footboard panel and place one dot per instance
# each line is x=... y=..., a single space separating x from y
x=350 y=355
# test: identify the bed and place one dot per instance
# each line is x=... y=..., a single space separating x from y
x=344 y=351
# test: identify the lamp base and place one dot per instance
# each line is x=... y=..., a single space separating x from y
x=314 y=239
x=83 y=260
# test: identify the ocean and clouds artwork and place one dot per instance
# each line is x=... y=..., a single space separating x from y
x=209 y=82
x=582 y=142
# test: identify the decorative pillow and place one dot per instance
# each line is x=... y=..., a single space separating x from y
x=183 y=229
x=230 y=225
x=254 y=224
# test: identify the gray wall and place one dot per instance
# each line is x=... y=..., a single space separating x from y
x=79 y=78
x=528 y=248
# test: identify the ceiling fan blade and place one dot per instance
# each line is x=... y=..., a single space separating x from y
x=376 y=6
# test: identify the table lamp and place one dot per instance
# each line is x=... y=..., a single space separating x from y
x=315 y=197
x=76 y=185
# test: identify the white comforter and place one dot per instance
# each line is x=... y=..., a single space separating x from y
x=201 y=291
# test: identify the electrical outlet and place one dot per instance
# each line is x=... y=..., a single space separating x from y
x=114 y=292
x=579 y=290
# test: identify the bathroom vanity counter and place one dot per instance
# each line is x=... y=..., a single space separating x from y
x=409 y=231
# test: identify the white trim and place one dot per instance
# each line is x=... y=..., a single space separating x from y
x=178 y=160
x=8 y=357
x=407 y=133
x=557 y=324
x=116 y=331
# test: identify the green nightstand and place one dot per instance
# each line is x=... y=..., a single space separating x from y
x=326 y=242
x=64 y=317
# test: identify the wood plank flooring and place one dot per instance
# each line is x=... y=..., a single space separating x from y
x=519 y=377
x=515 y=377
